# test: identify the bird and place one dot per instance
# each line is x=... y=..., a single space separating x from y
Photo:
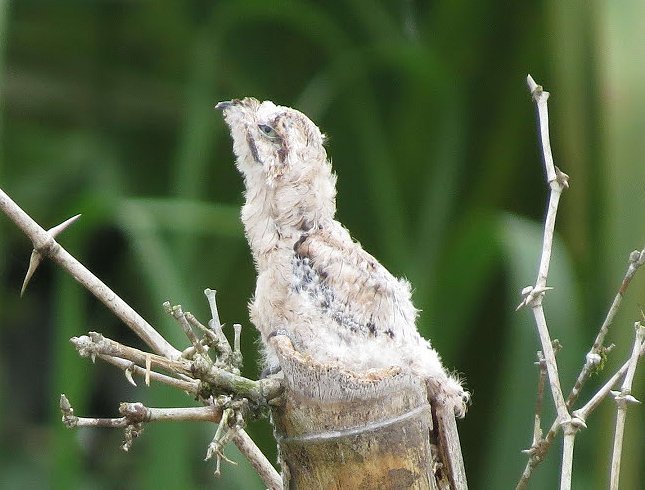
x=315 y=283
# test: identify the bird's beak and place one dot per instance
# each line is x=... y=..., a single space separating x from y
x=225 y=104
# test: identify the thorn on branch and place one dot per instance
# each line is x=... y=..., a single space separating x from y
x=537 y=91
x=637 y=258
x=561 y=177
x=621 y=397
x=36 y=254
x=576 y=423
x=128 y=374
x=532 y=296
x=69 y=419
x=221 y=438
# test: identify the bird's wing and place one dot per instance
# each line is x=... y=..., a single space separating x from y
x=355 y=288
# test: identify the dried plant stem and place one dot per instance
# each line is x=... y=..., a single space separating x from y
x=133 y=413
x=166 y=357
x=259 y=461
x=592 y=359
x=534 y=295
x=539 y=401
x=595 y=354
x=623 y=398
x=45 y=245
x=557 y=181
x=260 y=391
x=129 y=367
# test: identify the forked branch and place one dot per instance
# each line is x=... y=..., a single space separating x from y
x=227 y=396
x=533 y=296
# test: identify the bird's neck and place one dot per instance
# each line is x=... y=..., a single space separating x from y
x=275 y=217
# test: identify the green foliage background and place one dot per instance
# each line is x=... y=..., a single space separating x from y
x=106 y=110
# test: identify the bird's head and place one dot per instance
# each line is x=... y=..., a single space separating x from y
x=280 y=153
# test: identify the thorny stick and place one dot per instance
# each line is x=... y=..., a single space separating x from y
x=624 y=397
x=557 y=181
x=537 y=424
x=45 y=245
x=533 y=296
x=256 y=391
x=137 y=413
x=258 y=460
x=132 y=413
x=636 y=259
x=594 y=356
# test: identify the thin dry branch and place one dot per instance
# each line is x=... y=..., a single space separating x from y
x=192 y=371
x=135 y=413
x=598 y=350
x=557 y=181
x=539 y=400
x=623 y=398
x=592 y=359
x=45 y=245
x=533 y=295
x=257 y=459
x=261 y=391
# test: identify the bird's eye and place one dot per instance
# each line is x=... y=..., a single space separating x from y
x=268 y=131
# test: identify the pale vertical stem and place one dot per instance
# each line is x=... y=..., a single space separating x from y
x=541 y=97
x=549 y=230
x=557 y=181
x=621 y=415
x=622 y=399
x=551 y=365
x=215 y=324
x=567 y=456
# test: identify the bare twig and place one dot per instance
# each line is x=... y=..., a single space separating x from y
x=215 y=324
x=259 y=461
x=592 y=360
x=537 y=425
x=221 y=438
x=533 y=295
x=624 y=397
x=260 y=391
x=598 y=350
x=134 y=415
x=45 y=245
x=178 y=314
x=557 y=181
x=189 y=386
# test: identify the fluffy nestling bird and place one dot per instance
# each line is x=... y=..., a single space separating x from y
x=315 y=284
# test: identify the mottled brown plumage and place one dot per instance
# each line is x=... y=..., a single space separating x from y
x=315 y=284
